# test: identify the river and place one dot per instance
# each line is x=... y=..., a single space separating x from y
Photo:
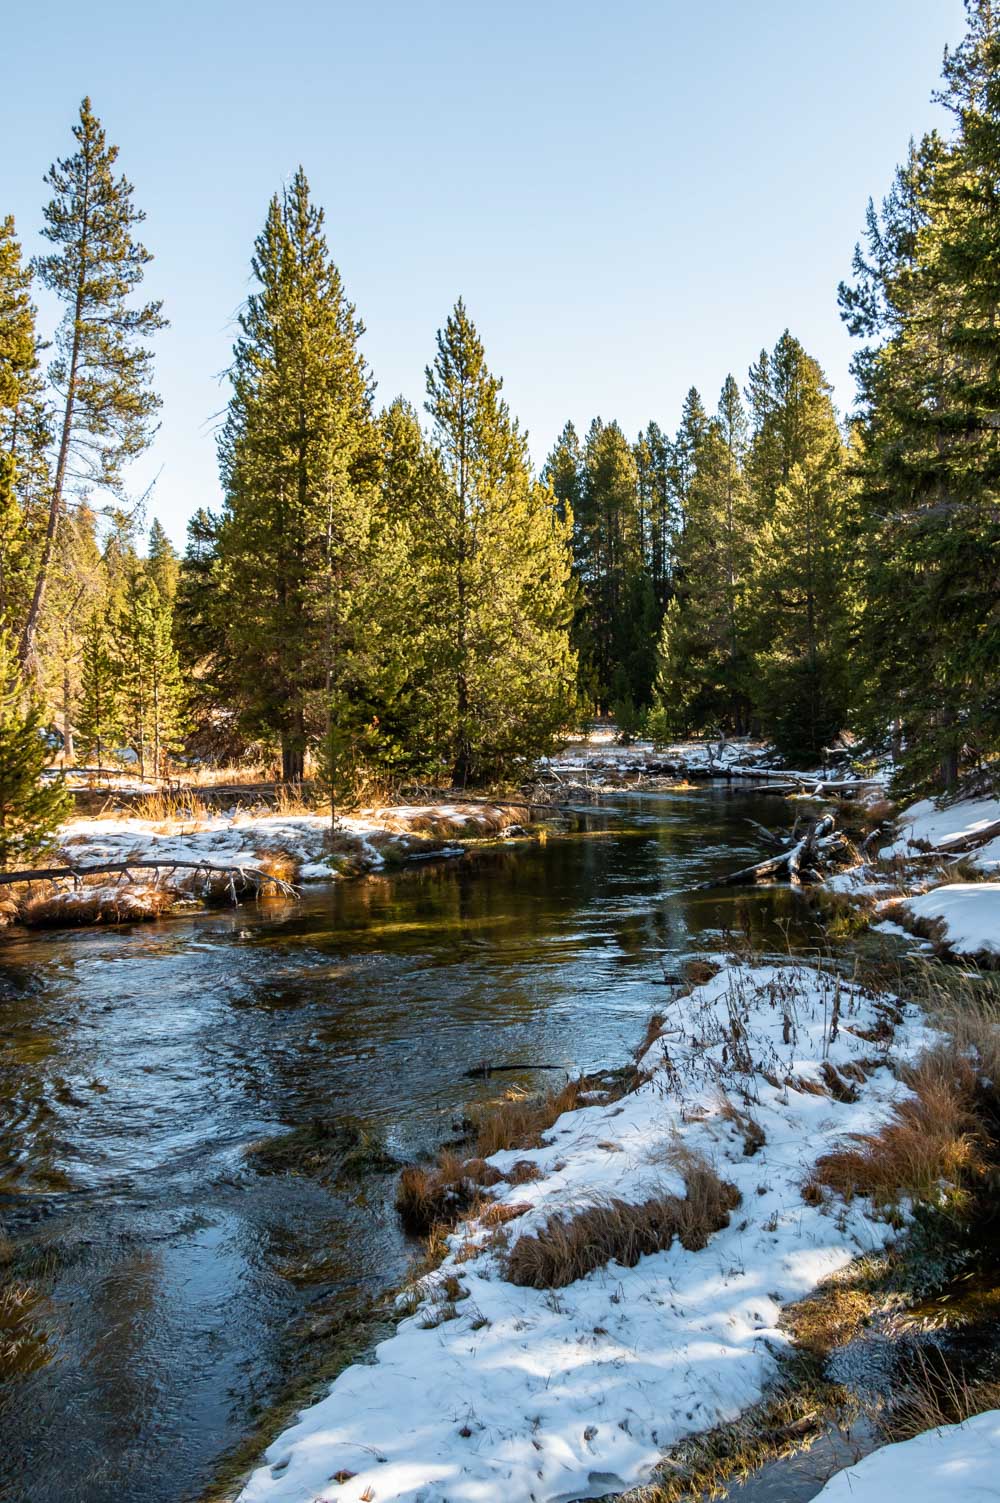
x=169 y=1284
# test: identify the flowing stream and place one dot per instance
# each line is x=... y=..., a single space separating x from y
x=167 y=1285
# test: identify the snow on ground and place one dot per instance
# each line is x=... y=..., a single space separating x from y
x=537 y=1396
x=956 y=1461
x=968 y=911
x=236 y=839
x=925 y=826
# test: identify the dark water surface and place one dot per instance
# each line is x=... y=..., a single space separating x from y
x=164 y=1279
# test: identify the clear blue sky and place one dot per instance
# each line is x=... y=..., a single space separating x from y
x=631 y=198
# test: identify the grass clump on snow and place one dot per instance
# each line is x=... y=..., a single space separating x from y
x=570 y=1247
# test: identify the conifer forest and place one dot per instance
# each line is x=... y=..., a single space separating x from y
x=500 y=928
x=395 y=586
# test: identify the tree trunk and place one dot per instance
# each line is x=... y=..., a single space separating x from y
x=293 y=754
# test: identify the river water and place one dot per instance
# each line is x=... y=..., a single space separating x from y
x=167 y=1284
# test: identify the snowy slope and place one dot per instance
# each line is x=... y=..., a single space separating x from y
x=969 y=911
x=534 y=1396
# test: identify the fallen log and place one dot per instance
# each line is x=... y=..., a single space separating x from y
x=248 y=875
x=793 y=862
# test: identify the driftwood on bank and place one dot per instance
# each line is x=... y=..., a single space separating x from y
x=793 y=863
x=239 y=876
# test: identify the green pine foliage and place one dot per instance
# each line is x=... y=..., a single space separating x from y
x=924 y=298
x=98 y=706
x=705 y=679
x=24 y=432
x=498 y=572
x=30 y=809
x=805 y=539
x=150 y=705
x=102 y=370
x=299 y=459
x=162 y=563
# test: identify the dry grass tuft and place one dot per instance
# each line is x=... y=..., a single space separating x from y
x=568 y=1248
x=933 y=1396
x=697 y=972
x=426 y=1198
x=519 y=1121
x=524 y=1172
x=831 y=1317
x=277 y=863
x=170 y=806
x=496 y=1213
x=653 y=1030
x=930 y=1139
x=97 y=905
x=754 y=1136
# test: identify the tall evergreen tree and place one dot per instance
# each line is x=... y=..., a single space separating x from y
x=806 y=529
x=299 y=461
x=501 y=589
x=925 y=298
x=705 y=681
x=23 y=428
x=30 y=809
x=103 y=369
x=97 y=710
x=163 y=565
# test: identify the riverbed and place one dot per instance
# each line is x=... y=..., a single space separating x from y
x=173 y=1281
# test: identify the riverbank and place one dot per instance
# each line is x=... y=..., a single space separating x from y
x=211 y=856
x=934 y=876
x=623 y=1281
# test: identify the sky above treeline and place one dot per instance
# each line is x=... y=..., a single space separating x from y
x=631 y=199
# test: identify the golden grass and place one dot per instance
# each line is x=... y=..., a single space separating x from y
x=169 y=806
x=831 y=1317
x=96 y=905
x=276 y=863
x=935 y=1395
x=930 y=1139
x=466 y=821
x=426 y=1198
x=520 y=1121
x=568 y=1248
x=753 y=1134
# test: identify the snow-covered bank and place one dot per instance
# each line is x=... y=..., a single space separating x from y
x=600 y=759
x=956 y=1461
x=968 y=825
x=297 y=847
x=490 y=1390
x=962 y=916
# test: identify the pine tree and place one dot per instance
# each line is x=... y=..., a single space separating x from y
x=102 y=369
x=97 y=710
x=23 y=429
x=151 y=701
x=617 y=633
x=163 y=565
x=299 y=462
x=806 y=528
x=924 y=298
x=658 y=507
x=500 y=592
x=30 y=809
x=704 y=681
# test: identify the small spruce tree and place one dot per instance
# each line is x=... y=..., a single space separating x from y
x=30 y=810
